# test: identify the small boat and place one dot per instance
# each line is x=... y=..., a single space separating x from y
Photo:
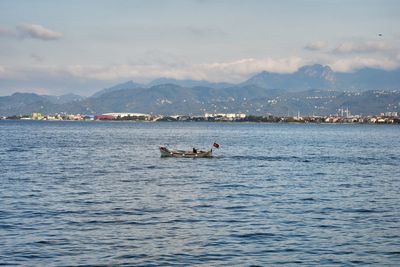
x=165 y=152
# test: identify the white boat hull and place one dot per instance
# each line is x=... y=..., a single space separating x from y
x=165 y=152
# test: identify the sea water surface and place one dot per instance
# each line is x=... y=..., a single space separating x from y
x=98 y=193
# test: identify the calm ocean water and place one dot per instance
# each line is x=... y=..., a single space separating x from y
x=98 y=193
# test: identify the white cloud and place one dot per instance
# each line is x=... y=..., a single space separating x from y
x=316 y=46
x=363 y=47
x=2 y=71
x=217 y=71
x=6 y=73
x=241 y=69
x=353 y=55
x=350 y=64
x=4 y=32
x=37 y=32
x=233 y=71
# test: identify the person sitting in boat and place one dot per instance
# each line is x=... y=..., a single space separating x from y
x=194 y=150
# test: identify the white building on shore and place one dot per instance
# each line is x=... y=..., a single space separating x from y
x=226 y=116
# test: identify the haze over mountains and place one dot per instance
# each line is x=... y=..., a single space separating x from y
x=313 y=89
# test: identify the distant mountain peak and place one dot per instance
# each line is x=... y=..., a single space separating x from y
x=306 y=90
x=314 y=67
x=307 y=77
x=121 y=86
x=318 y=71
x=24 y=94
x=129 y=83
x=166 y=86
x=315 y=70
x=260 y=77
x=264 y=72
x=189 y=83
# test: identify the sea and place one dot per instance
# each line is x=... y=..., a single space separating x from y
x=99 y=194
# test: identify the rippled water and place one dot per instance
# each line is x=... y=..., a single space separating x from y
x=99 y=194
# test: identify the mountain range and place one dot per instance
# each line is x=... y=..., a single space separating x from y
x=313 y=89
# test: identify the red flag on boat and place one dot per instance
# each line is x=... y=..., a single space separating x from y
x=216 y=145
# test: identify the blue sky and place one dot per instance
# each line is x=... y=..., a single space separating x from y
x=57 y=47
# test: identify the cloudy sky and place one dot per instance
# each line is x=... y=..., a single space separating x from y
x=58 y=47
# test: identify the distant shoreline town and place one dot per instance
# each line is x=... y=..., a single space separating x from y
x=383 y=118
